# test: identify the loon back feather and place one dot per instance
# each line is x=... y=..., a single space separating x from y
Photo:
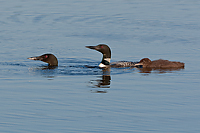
x=119 y=64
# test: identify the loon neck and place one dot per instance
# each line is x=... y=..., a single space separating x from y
x=105 y=62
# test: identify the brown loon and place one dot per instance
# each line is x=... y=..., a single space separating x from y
x=159 y=64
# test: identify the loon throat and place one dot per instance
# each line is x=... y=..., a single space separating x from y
x=105 y=62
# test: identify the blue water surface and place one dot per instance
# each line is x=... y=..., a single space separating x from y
x=75 y=98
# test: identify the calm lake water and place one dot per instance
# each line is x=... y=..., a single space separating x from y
x=74 y=98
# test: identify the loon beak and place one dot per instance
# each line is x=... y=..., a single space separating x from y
x=92 y=47
x=35 y=58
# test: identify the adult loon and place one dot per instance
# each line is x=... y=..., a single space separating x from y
x=105 y=50
x=159 y=64
x=48 y=58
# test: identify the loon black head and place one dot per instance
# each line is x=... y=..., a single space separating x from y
x=48 y=58
x=105 y=50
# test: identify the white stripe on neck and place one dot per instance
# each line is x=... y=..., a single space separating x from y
x=102 y=65
x=107 y=59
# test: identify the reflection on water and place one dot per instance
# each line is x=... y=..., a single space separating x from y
x=159 y=70
x=48 y=67
x=48 y=72
x=102 y=84
x=99 y=85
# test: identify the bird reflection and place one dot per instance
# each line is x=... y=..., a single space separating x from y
x=48 y=72
x=102 y=84
x=48 y=67
x=158 y=70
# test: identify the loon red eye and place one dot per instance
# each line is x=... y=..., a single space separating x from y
x=46 y=56
x=101 y=46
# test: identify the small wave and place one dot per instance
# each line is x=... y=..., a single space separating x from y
x=12 y=64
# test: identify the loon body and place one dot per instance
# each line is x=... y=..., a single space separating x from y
x=105 y=50
x=48 y=58
x=159 y=64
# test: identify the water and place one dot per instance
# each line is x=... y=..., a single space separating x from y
x=74 y=98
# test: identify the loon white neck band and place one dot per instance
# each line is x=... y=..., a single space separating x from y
x=107 y=59
x=103 y=65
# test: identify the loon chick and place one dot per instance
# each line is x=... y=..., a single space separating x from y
x=159 y=64
x=48 y=58
x=105 y=50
